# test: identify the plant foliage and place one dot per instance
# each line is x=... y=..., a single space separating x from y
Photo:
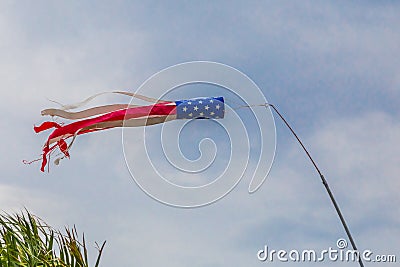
x=25 y=240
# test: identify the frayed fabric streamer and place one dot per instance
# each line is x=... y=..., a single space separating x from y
x=120 y=115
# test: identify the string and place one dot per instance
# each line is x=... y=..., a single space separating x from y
x=87 y=100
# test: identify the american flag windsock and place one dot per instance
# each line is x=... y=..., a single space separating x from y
x=121 y=115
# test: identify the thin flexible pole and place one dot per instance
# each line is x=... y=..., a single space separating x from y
x=324 y=182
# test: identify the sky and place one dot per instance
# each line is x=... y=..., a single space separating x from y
x=331 y=67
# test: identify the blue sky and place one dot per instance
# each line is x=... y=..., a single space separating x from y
x=332 y=68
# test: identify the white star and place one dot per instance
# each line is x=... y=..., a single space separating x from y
x=201 y=114
x=212 y=113
x=217 y=106
x=189 y=103
x=211 y=101
x=190 y=114
x=184 y=109
x=206 y=107
x=195 y=108
x=200 y=102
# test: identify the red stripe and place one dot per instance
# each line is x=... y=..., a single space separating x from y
x=130 y=113
x=45 y=126
x=70 y=129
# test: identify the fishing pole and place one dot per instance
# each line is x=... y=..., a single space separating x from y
x=324 y=182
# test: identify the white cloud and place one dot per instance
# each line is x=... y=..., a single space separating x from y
x=14 y=199
x=360 y=156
